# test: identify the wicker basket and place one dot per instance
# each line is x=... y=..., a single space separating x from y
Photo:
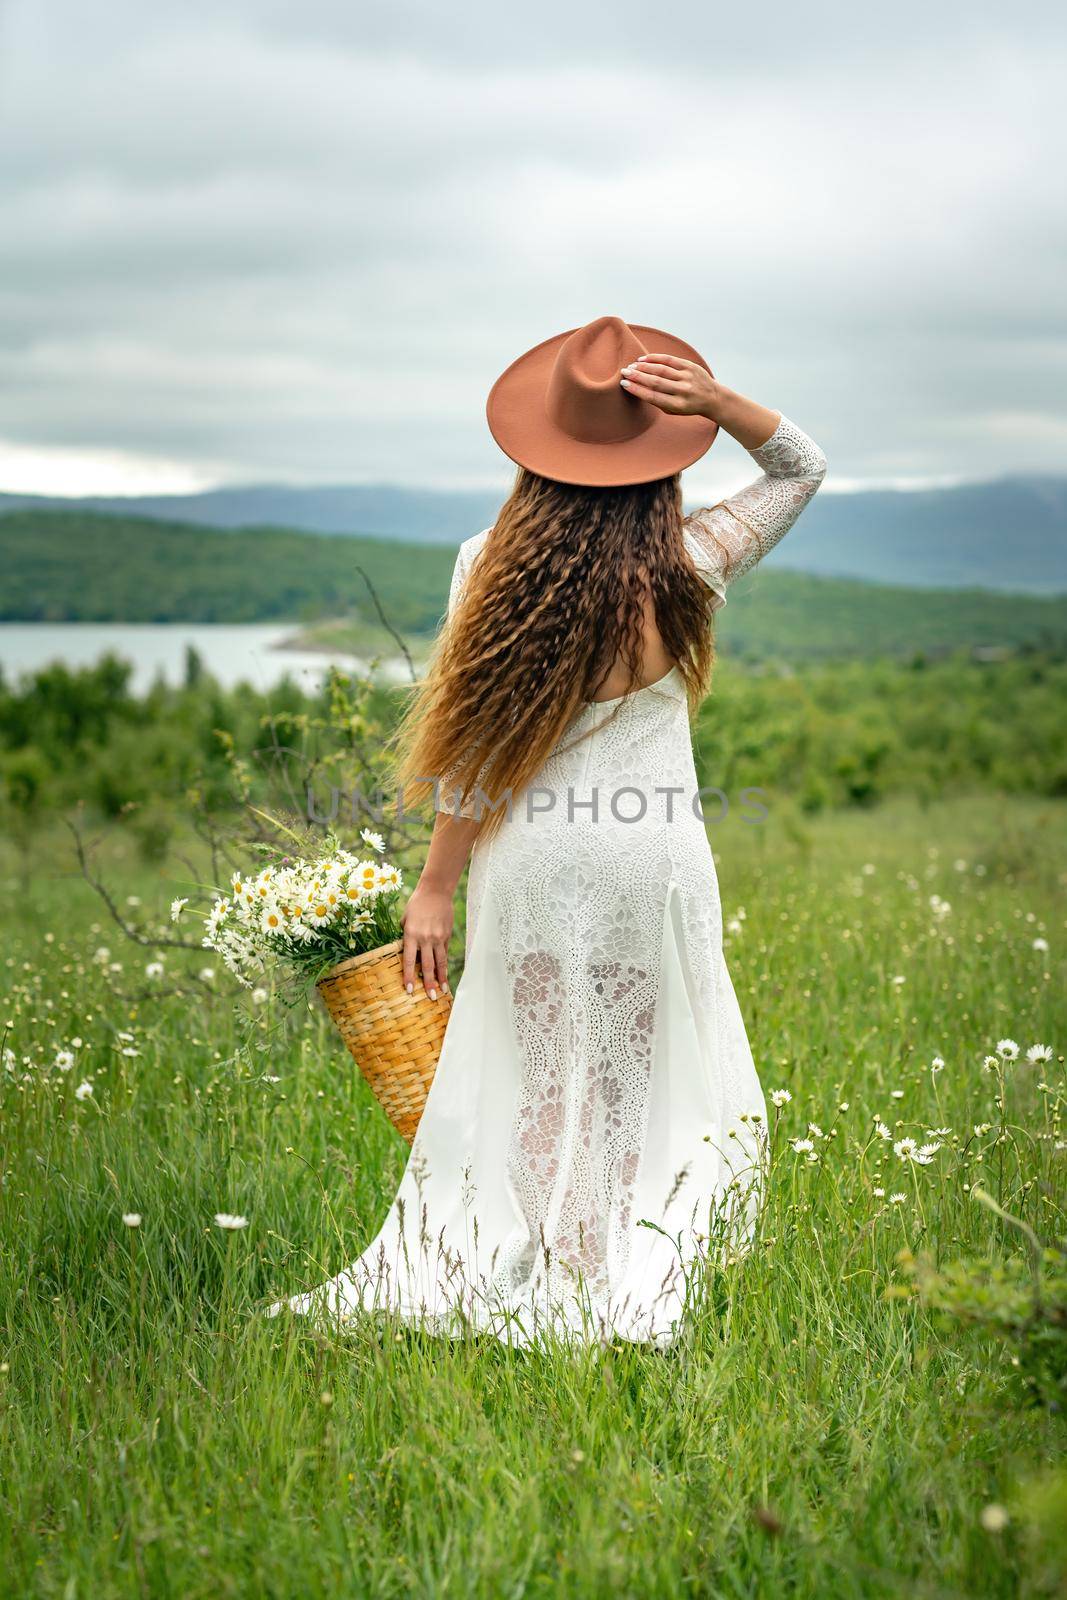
x=394 y=1037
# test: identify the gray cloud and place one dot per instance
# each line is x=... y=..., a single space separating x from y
x=264 y=242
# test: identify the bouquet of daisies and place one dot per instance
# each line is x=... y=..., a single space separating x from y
x=307 y=914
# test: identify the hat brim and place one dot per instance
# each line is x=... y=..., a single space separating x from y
x=518 y=421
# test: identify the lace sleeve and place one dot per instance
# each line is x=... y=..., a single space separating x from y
x=727 y=540
x=459 y=578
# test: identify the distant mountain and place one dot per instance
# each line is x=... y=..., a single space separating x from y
x=84 y=566
x=383 y=510
x=1008 y=534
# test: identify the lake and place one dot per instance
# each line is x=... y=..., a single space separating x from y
x=232 y=653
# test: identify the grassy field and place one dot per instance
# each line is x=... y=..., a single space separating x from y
x=822 y=1430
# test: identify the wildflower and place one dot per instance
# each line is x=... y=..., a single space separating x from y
x=994 y=1518
x=176 y=909
x=926 y=1153
x=802 y=1146
x=206 y=974
x=898 y=981
x=815 y=1131
x=154 y=969
x=1007 y=1050
x=905 y=1149
x=83 y=1091
x=981 y=1129
x=131 y=1219
x=64 y=1060
x=780 y=1097
x=989 y=1063
x=1039 y=1052
x=388 y=878
x=896 y=1094
x=102 y=956
x=228 y=1222
x=365 y=874
x=1040 y=944
x=937 y=1064
x=375 y=840
x=733 y=926
x=897 y=1199
x=938 y=1133
x=879 y=1194
x=259 y=997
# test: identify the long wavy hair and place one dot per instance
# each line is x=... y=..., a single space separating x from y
x=556 y=598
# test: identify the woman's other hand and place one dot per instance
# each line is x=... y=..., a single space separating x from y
x=427 y=923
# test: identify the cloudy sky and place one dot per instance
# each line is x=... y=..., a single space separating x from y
x=247 y=240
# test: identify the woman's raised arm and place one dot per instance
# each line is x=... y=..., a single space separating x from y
x=729 y=538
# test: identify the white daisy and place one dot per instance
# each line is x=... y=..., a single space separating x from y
x=83 y=1091
x=230 y=1223
x=272 y=921
x=1039 y=1052
x=373 y=839
x=1007 y=1050
x=131 y=1219
x=780 y=1097
x=176 y=909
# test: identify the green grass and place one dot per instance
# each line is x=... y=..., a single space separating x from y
x=818 y=1432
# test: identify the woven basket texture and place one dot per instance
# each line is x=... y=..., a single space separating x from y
x=394 y=1037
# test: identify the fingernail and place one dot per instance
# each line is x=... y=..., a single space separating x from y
x=624 y=383
x=433 y=994
x=410 y=987
x=444 y=988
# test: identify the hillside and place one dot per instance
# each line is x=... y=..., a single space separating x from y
x=88 y=567
x=1008 y=534
x=63 y=566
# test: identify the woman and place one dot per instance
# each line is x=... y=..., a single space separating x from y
x=596 y=1125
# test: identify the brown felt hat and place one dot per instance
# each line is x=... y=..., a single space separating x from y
x=560 y=411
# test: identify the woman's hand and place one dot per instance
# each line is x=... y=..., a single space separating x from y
x=683 y=388
x=427 y=922
x=686 y=389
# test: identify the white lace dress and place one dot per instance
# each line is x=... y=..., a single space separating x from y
x=596 y=1125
